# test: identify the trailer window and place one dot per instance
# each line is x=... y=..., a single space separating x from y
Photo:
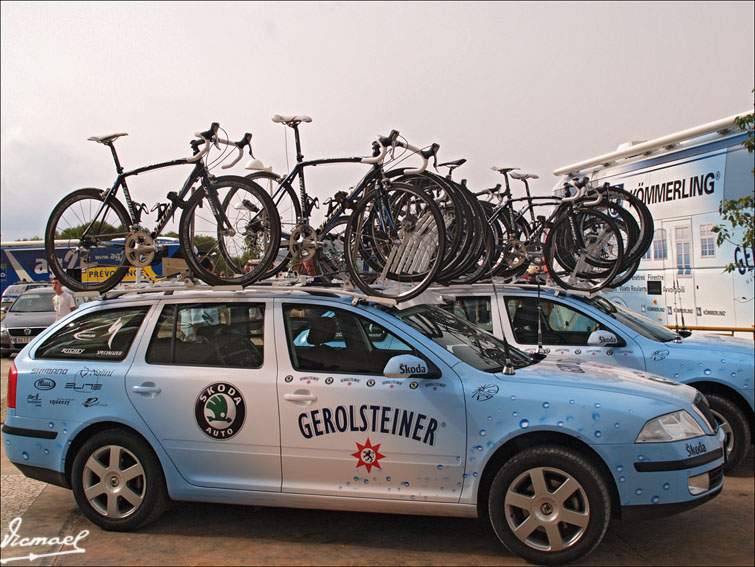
x=660 y=250
x=707 y=241
x=683 y=245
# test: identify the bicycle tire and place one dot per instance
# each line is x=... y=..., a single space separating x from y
x=289 y=212
x=405 y=241
x=84 y=269
x=330 y=263
x=255 y=232
x=578 y=243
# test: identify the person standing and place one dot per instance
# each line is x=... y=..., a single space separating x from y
x=63 y=301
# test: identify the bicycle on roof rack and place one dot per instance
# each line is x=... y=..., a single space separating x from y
x=92 y=239
x=386 y=234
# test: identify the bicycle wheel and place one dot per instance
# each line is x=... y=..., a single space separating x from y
x=584 y=250
x=289 y=211
x=95 y=261
x=237 y=254
x=400 y=231
x=330 y=263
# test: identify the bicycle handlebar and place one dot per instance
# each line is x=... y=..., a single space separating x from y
x=240 y=145
x=384 y=142
x=207 y=137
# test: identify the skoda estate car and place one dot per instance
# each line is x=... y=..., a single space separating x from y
x=312 y=399
x=598 y=330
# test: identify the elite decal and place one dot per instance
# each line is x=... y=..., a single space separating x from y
x=377 y=419
x=368 y=455
x=220 y=410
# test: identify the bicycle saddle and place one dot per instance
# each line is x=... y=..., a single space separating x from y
x=106 y=139
x=503 y=169
x=289 y=120
x=523 y=176
x=455 y=163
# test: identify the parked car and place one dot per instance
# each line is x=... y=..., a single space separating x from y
x=596 y=329
x=311 y=399
x=13 y=291
x=30 y=314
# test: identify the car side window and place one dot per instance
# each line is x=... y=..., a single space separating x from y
x=102 y=335
x=474 y=309
x=209 y=334
x=335 y=340
x=559 y=324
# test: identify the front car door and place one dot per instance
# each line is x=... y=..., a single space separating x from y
x=204 y=382
x=565 y=329
x=348 y=430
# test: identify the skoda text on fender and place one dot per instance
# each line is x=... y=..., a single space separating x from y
x=326 y=400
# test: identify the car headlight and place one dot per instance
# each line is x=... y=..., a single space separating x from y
x=674 y=426
x=3 y=332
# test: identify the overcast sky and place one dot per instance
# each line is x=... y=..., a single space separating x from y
x=533 y=85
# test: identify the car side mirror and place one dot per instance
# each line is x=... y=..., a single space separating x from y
x=410 y=366
x=684 y=333
x=603 y=338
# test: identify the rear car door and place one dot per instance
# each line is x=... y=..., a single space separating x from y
x=348 y=430
x=204 y=382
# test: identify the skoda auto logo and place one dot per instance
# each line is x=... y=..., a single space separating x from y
x=220 y=410
x=27 y=332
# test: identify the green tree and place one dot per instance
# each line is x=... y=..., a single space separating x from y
x=738 y=213
x=77 y=231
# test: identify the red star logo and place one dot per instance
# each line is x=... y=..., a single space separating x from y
x=368 y=455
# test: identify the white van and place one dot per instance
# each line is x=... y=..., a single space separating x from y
x=682 y=178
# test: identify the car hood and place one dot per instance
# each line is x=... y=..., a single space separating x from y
x=717 y=343
x=29 y=319
x=576 y=373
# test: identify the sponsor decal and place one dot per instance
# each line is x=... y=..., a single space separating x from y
x=609 y=352
x=34 y=400
x=699 y=311
x=434 y=385
x=370 y=384
x=309 y=379
x=578 y=350
x=329 y=380
x=88 y=380
x=91 y=402
x=375 y=419
x=660 y=354
x=44 y=384
x=220 y=410
x=49 y=370
x=289 y=378
x=61 y=402
x=698 y=449
x=85 y=335
x=414 y=385
x=406 y=369
x=109 y=352
x=485 y=392
x=678 y=189
x=368 y=455
x=65 y=545
x=642 y=307
x=69 y=350
x=574 y=368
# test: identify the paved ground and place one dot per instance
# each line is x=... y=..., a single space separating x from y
x=717 y=533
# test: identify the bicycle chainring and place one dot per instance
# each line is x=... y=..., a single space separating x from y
x=303 y=243
x=139 y=249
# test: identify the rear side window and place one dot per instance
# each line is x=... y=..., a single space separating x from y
x=228 y=335
x=102 y=335
x=559 y=324
x=474 y=309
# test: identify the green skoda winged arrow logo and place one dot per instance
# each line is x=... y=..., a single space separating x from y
x=220 y=410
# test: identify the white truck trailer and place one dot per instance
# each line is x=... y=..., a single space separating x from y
x=682 y=178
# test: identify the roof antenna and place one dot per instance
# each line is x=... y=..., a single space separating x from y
x=539 y=318
x=678 y=337
x=681 y=307
x=508 y=367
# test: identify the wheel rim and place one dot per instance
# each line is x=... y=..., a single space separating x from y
x=114 y=482
x=726 y=426
x=547 y=509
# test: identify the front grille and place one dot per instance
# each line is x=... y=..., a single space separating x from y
x=716 y=476
x=702 y=407
x=19 y=332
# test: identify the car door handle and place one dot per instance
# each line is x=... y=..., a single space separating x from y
x=300 y=397
x=147 y=388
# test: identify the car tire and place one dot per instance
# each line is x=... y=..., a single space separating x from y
x=734 y=423
x=118 y=482
x=532 y=519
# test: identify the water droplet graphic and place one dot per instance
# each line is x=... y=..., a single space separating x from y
x=560 y=424
x=388 y=479
x=571 y=401
x=483 y=433
x=405 y=483
x=340 y=488
x=638 y=491
x=490 y=418
x=356 y=478
x=524 y=424
x=51 y=425
x=707 y=371
x=676 y=375
x=458 y=459
x=65 y=431
x=474 y=474
x=25 y=455
x=348 y=484
x=733 y=374
x=597 y=404
x=598 y=434
x=515 y=414
x=47 y=451
x=596 y=416
x=723 y=360
x=546 y=405
x=616 y=425
x=478 y=447
x=640 y=457
x=366 y=481
x=440 y=467
x=513 y=397
x=622 y=479
x=465 y=475
x=655 y=499
x=619 y=469
x=666 y=486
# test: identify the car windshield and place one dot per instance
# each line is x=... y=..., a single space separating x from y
x=13 y=290
x=33 y=303
x=642 y=325
x=475 y=347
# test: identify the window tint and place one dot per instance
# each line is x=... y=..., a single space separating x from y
x=559 y=324
x=209 y=334
x=334 y=340
x=102 y=335
x=476 y=310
